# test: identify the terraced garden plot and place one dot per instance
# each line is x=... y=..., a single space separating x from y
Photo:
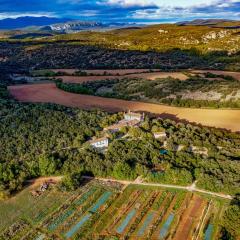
x=68 y=209
x=129 y=222
x=23 y=205
x=190 y=218
x=16 y=231
x=83 y=228
x=124 y=201
x=163 y=214
x=79 y=212
x=97 y=211
x=210 y=227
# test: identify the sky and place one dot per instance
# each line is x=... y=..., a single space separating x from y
x=123 y=10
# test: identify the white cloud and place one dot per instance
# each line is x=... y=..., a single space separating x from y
x=130 y=3
x=170 y=13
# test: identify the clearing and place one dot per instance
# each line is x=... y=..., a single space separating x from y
x=149 y=76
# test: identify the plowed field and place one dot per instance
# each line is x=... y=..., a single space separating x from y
x=48 y=92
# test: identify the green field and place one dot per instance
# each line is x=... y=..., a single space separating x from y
x=102 y=211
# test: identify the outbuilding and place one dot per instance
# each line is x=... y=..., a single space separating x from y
x=100 y=142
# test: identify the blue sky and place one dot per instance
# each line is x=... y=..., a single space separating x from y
x=123 y=10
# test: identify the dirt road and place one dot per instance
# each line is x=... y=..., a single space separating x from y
x=49 y=93
x=38 y=181
x=191 y=188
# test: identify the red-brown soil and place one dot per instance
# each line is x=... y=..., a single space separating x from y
x=189 y=217
x=48 y=92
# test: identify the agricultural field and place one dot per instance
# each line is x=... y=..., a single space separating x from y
x=199 y=88
x=82 y=76
x=149 y=76
x=197 y=91
x=100 y=210
x=48 y=92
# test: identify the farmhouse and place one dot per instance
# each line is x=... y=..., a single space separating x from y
x=100 y=142
x=123 y=123
x=131 y=119
x=133 y=116
x=199 y=150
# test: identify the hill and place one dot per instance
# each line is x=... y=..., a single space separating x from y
x=204 y=22
x=164 y=37
x=23 y=22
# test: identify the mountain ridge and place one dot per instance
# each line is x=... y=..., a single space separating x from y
x=203 y=22
x=23 y=22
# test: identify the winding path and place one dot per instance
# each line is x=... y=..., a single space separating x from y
x=191 y=188
x=138 y=181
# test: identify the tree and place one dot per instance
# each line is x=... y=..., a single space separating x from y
x=72 y=181
x=48 y=165
x=231 y=219
x=122 y=170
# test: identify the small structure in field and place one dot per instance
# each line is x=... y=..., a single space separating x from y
x=199 y=150
x=44 y=186
x=129 y=116
x=100 y=142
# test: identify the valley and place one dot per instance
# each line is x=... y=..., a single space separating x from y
x=125 y=133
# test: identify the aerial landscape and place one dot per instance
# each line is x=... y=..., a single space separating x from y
x=120 y=119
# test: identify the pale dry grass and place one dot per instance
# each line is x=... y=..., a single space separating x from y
x=149 y=76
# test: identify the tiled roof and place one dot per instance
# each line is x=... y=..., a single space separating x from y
x=121 y=124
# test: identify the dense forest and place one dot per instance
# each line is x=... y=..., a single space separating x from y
x=26 y=56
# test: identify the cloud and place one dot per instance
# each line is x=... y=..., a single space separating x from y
x=130 y=3
x=123 y=10
x=228 y=9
